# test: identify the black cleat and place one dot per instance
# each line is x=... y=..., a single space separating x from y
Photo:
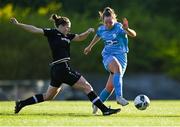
x=111 y=111
x=18 y=107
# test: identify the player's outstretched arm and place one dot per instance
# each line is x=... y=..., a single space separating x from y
x=84 y=35
x=27 y=27
x=129 y=31
x=93 y=42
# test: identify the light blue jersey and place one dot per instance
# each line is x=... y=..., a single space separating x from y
x=116 y=44
x=115 y=39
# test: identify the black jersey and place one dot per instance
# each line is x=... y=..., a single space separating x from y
x=59 y=43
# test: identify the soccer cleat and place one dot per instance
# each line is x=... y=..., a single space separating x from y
x=122 y=101
x=95 y=109
x=111 y=111
x=18 y=107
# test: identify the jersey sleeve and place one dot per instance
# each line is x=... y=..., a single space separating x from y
x=47 y=32
x=71 y=36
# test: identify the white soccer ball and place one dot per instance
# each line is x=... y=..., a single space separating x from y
x=141 y=102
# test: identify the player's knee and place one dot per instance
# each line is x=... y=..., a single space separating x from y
x=115 y=67
x=87 y=87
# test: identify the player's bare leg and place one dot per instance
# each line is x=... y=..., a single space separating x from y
x=49 y=95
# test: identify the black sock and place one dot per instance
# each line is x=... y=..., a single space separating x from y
x=96 y=101
x=33 y=100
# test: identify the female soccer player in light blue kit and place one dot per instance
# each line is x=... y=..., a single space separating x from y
x=114 y=35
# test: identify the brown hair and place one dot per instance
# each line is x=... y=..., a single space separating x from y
x=107 y=12
x=59 y=20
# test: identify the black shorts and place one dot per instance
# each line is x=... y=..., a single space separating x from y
x=62 y=73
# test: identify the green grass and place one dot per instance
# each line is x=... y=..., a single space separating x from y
x=78 y=113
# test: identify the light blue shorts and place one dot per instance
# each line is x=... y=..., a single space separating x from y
x=122 y=59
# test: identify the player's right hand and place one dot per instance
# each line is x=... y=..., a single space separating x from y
x=87 y=50
x=91 y=30
x=13 y=21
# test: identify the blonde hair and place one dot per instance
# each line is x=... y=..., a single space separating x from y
x=107 y=12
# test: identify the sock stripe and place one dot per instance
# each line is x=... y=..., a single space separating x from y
x=35 y=99
x=97 y=98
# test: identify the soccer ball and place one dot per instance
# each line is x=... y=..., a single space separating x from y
x=141 y=102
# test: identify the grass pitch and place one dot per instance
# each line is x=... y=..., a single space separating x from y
x=78 y=113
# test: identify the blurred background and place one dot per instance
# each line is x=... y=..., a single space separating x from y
x=153 y=61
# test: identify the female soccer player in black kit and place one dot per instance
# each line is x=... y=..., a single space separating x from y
x=59 y=40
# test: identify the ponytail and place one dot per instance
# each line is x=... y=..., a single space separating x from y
x=58 y=20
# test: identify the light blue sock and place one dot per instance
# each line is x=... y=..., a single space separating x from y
x=104 y=95
x=117 y=83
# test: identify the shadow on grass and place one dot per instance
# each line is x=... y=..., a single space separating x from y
x=85 y=115
x=149 y=116
x=48 y=114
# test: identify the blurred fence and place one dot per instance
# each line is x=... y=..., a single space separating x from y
x=155 y=86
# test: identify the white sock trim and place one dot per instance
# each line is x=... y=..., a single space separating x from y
x=35 y=99
x=97 y=98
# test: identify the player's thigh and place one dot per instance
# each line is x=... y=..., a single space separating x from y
x=83 y=85
x=51 y=92
x=114 y=66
